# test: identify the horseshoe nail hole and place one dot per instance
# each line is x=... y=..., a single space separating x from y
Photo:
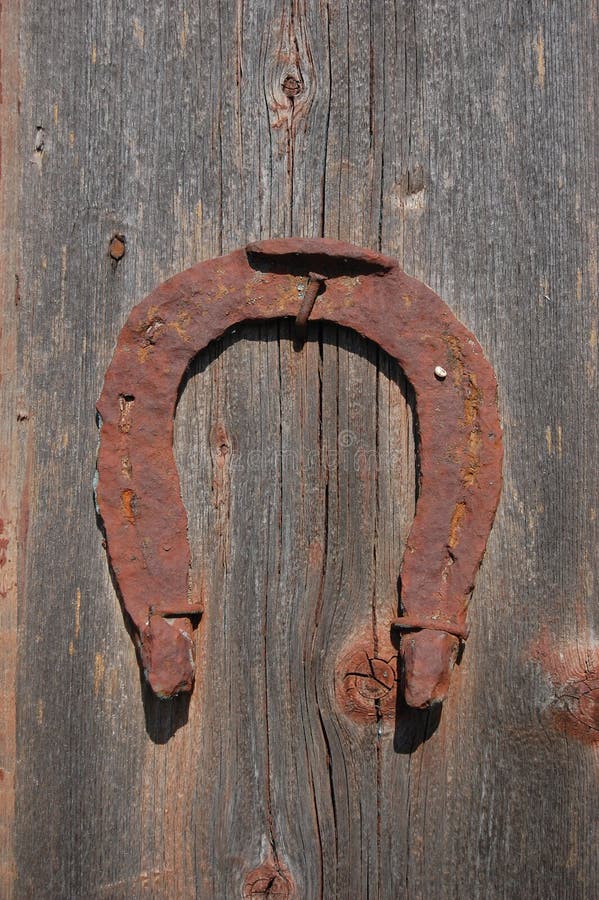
x=193 y=616
x=117 y=247
x=40 y=139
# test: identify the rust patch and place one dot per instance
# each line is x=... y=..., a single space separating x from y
x=427 y=659
x=471 y=401
x=455 y=524
x=460 y=448
x=128 y=504
x=168 y=655
x=472 y=467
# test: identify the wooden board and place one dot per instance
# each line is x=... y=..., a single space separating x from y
x=460 y=138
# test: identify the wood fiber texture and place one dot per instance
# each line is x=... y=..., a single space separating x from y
x=461 y=139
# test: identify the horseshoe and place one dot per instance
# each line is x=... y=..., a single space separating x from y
x=460 y=444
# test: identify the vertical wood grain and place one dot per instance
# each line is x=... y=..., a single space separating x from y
x=14 y=427
x=463 y=140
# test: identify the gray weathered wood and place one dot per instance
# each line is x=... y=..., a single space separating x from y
x=461 y=138
x=14 y=444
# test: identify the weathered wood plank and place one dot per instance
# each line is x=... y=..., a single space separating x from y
x=464 y=142
x=14 y=427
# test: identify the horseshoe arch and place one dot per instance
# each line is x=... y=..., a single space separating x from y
x=460 y=446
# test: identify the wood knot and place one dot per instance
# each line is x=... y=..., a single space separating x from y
x=576 y=709
x=573 y=669
x=292 y=86
x=366 y=681
x=269 y=880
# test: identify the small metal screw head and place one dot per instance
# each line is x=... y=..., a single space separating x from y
x=440 y=373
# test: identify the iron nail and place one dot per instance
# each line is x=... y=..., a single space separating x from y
x=312 y=288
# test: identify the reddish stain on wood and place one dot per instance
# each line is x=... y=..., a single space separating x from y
x=366 y=681
x=269 y=880
x=573 y=670
x=4 y=542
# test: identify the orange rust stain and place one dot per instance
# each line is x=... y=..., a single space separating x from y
x=471 y=401
x=472 y=467
x=181 y=325
x=455 y=351
x=456 y=524
x=143 y=352
x=151 y=314
x=128 y=503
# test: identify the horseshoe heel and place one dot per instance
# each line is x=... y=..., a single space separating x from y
x=460 y=450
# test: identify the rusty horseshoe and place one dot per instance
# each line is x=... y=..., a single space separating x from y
x=460 y=444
